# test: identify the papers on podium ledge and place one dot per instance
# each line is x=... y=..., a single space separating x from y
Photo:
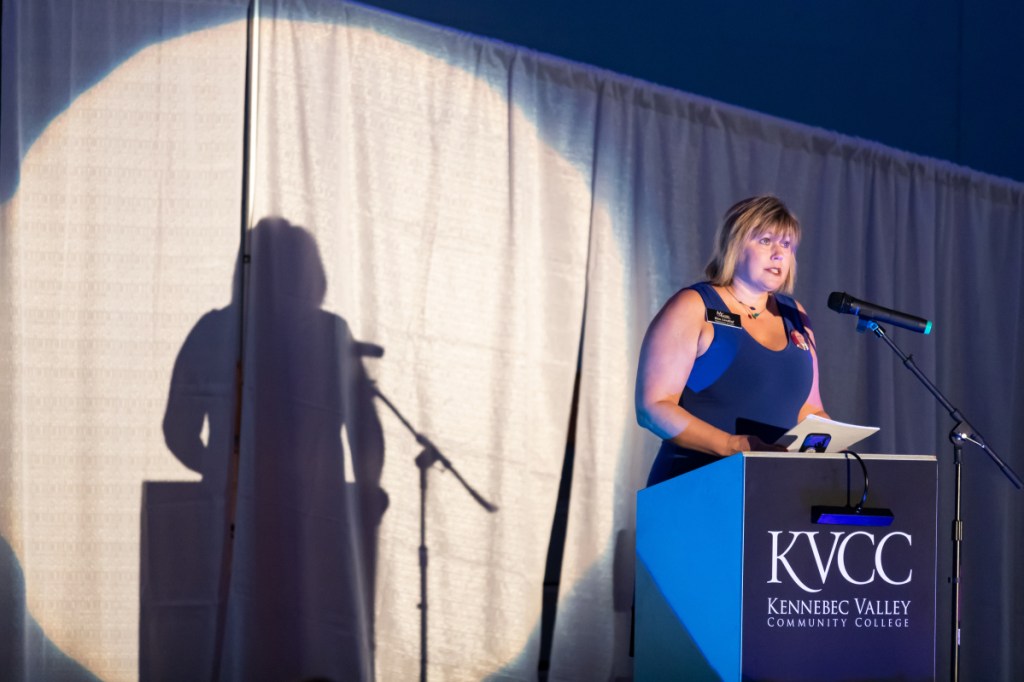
x=841 y=436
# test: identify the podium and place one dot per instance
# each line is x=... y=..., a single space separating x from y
x=735 y=582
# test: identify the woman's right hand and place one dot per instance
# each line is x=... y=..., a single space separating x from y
x=678 y=335
x=741 y=443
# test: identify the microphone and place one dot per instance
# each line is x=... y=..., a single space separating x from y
x=841 y=302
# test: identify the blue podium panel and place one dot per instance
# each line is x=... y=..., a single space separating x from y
x=735 y=581
x=689 y=546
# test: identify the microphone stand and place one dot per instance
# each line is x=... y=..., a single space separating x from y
x=429 y=456
x=962 y=431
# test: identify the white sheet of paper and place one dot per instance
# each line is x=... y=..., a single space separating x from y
x=844 y=436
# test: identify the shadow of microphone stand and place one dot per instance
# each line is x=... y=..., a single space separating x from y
x=429 y=456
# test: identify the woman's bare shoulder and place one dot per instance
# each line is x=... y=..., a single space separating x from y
x=683 y=308
x=686 y=302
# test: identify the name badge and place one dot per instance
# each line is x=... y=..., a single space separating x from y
x=723 y=317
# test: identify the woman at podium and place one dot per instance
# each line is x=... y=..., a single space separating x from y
x=729 y=364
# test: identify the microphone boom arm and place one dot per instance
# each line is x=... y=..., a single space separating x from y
x=963 y=430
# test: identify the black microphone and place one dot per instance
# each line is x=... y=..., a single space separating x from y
x=841 y=302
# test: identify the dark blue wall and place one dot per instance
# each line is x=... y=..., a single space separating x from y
x=943 y=78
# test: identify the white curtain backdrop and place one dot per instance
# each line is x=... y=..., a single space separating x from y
x=454 y=237
x=120 y=234
x=444 y=229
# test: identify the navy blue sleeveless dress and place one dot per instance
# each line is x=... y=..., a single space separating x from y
x=740 y=386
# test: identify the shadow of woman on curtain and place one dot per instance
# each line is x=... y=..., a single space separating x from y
x=291 y=596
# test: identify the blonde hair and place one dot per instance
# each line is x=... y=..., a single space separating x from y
x=745 y=219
